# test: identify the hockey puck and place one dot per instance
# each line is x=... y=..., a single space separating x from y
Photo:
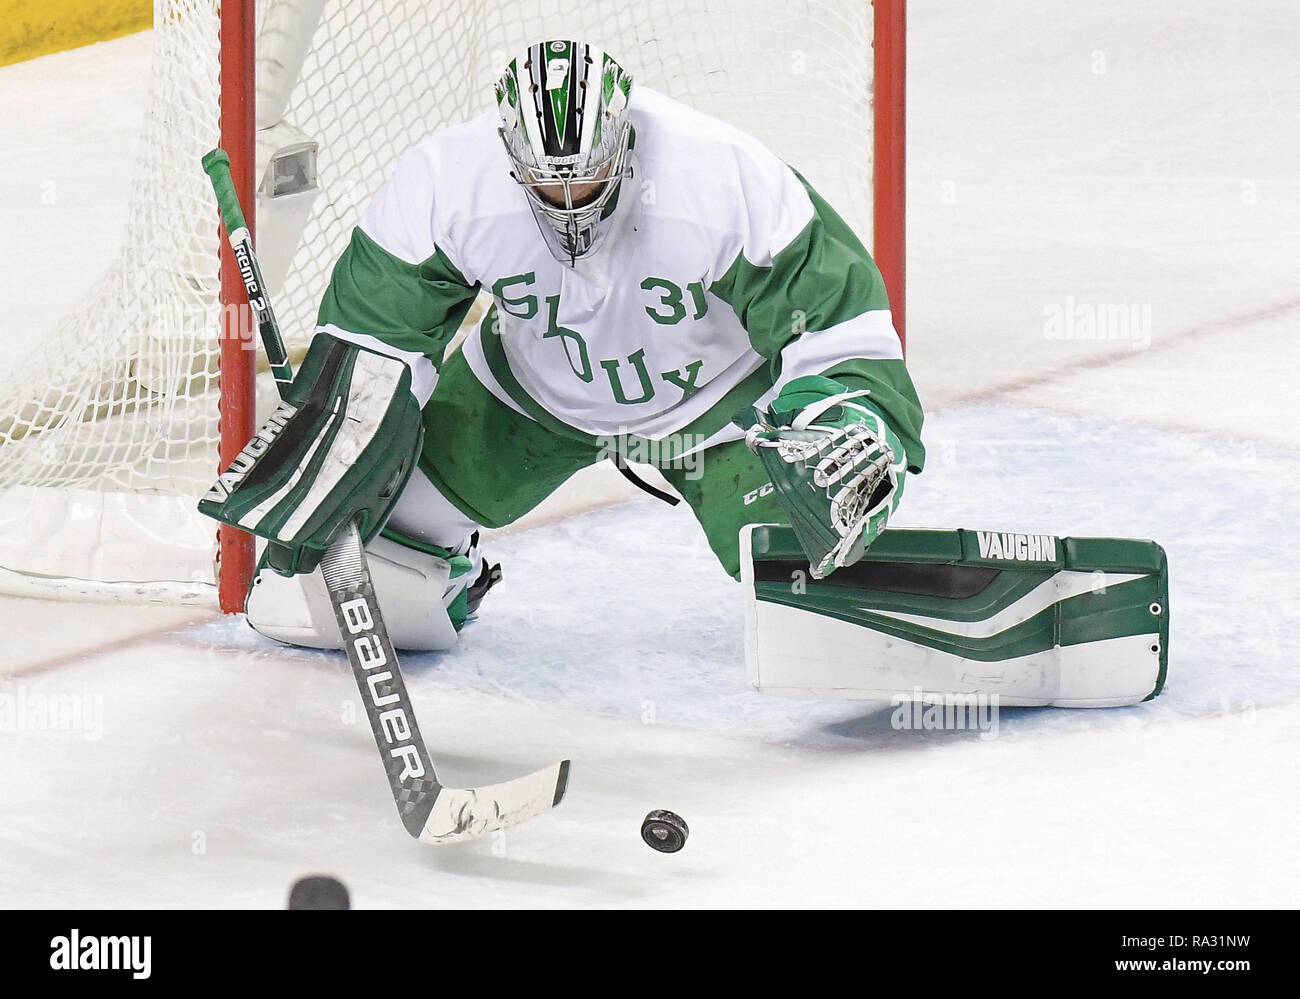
x=318 y=891
x=664 y=831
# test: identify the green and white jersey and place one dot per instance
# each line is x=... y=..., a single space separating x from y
x=725 y=276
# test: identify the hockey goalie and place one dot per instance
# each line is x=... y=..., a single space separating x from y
x=662 y=285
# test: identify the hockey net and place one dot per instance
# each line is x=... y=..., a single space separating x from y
x=109 y=429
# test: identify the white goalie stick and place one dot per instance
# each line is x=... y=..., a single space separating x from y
x=430 y=811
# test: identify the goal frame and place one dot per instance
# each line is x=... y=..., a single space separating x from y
x=236 y=552
x=236 y=549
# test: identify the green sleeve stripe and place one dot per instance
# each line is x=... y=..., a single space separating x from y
x=412 y=307
x=892 y=395
x=823 y=278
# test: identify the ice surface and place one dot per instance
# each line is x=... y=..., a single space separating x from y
x=614 y=639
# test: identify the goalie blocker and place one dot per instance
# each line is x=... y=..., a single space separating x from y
x=1034 y=619
x=337 y=451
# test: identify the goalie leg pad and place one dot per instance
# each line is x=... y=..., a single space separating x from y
x=1033 y=619
x=422 y=597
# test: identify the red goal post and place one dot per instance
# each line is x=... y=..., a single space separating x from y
x=889 y=173
x=236 y=556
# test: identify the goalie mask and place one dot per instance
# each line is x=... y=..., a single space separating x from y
x=565 y=126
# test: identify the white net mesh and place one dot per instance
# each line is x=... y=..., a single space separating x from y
x=108 y=431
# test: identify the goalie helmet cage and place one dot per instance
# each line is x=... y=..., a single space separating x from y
x=113 y=428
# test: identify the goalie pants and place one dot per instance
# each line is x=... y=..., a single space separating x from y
x=484 y=464
x=488 y=465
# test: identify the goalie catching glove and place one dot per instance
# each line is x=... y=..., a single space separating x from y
x=834 y=464
x=338 y=448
